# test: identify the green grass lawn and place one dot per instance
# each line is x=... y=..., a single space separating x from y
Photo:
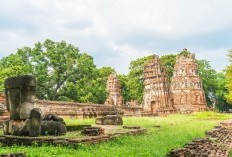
x=174 y=132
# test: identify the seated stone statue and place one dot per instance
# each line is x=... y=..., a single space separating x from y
x=25 y=120
x=53 y=125
x=35 y=125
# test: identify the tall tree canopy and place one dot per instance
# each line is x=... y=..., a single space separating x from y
x=168 y=61
x=132 y=84
x=53 y=63
x=13 y=65
x=61 y=71
x=214 y=85
x=229 y=78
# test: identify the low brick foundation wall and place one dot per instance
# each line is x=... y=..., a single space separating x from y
x=218 y=143
x=185 y=109
x=78 y=110
x=83 y=110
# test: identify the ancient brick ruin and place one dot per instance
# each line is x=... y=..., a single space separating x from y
x=85 y=110
x=114 y=90
x=2 y=104
x=156 y=87
x=186 y=85
x=81 y=110
x=185 y=93
x=217 y=143
x=4 y=115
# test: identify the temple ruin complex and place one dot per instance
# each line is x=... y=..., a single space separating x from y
x=185 y=94
x=186 y=85
x=156 y=87
x=114 y=91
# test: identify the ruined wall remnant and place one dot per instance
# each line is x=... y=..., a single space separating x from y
x=84 y=110
x=186 y=85
x=2 y=98
x=4 y=114
x=2 y=104
x=114 y=90
x=156 y=87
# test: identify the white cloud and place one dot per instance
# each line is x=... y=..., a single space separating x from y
x=116 y=32
x=217 y=57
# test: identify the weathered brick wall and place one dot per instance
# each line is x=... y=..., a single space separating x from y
x=74 y=109
x=84 y=110
x=2 y=98
x=3 y=112
x=218 y=143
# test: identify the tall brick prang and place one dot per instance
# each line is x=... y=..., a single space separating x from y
x=114 y=90
x=156 y=87
x=186 y=85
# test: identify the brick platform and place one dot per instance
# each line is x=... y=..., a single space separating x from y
x=85 y=110
x=28 y=141
x=218 y=143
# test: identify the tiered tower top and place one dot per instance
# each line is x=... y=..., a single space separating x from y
x=113 y=84
x=154 y=70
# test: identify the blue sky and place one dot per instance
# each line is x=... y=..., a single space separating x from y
x=116 y=32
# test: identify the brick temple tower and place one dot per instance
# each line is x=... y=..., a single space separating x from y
x=186 y=85
x=156 y=87
x=114 y=90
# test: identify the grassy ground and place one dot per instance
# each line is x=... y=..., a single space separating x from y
x=174 y=132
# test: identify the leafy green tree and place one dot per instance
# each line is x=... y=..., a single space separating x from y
x=209 y=79
x=61 y=71
x=79 y=84
x=53 y=63
x=12 y=65
x=229 y=78
x=221 y=92
x=168 y=61
x=92 y=86
x=229 y=84
x=101 y=80
x=132 y=84
x=214 y=85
